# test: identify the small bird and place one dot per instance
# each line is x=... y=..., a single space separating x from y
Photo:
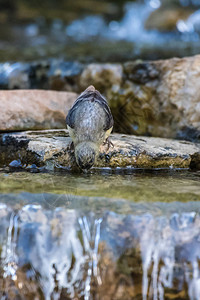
x=90 y=123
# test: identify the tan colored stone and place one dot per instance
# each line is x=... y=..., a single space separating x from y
x=34 y=109
x=179 y=90
x=101 y=76
x=153 y=98
x=160 y=98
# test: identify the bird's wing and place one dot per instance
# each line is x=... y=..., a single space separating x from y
x=91 y=95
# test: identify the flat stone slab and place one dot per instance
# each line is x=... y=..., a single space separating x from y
x=50 y=149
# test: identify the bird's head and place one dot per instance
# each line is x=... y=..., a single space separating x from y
x=85 y=154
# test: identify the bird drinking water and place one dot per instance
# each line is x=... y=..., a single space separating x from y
x=90 y=123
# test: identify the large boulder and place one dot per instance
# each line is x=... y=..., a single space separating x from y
x=153 y=98
x=34 y=109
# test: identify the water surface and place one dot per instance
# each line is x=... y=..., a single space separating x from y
x=134 y=186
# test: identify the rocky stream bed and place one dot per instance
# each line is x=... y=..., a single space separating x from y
x=130 y=227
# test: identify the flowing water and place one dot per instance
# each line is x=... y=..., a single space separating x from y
x=100 y=235
x=98 y=30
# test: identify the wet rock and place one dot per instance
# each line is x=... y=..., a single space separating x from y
x=45 y=74
x=18 y=77
x=140 y=72
x=37 y=71
x=195 y=163
x=64 y=75
x=101 y=76
x=151 y=98
x=159 y=98
x=14 y=76
x=35 y=109
x=51 y=149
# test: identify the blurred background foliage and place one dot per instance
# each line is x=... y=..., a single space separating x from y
x=98 y=30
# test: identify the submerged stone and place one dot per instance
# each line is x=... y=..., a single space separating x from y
x=15 y=164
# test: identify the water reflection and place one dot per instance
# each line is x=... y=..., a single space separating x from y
x=121 y=184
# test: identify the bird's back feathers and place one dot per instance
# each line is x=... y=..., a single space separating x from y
x=90 y=95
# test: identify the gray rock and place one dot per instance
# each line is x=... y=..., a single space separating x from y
x=64 y=75
x=50 y=149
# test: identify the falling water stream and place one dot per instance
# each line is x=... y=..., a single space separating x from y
x=142 y=242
